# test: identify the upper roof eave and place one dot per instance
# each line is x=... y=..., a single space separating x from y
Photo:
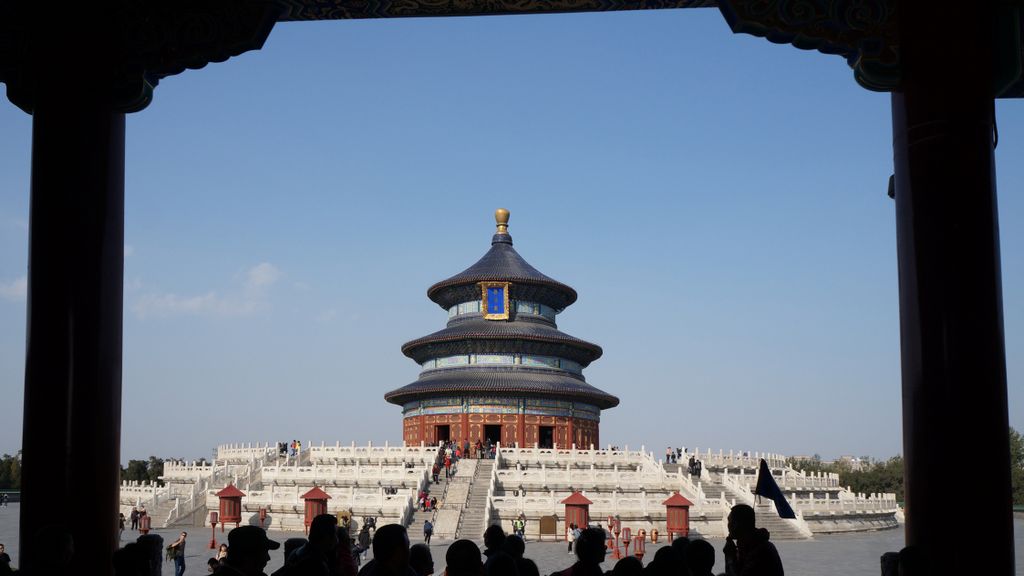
x=501 y=264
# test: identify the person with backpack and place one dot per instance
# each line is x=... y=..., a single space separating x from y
x=428 y=530
x=178 y=549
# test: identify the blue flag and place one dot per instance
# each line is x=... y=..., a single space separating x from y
x=767 y=487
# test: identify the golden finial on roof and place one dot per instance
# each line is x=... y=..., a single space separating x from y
x=501 y=217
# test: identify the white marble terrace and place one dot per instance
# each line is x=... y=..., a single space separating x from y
x=382 y=481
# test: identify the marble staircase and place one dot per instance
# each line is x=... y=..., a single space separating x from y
x=471 y=523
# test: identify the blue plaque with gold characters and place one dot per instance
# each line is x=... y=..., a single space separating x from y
x=494 y=300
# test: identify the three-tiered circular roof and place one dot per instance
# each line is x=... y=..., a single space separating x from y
x=517 y=335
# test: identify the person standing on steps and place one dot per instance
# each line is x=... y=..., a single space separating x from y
x=428 y=531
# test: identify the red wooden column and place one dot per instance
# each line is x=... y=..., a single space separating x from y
x=521 y=430
x=951 y=314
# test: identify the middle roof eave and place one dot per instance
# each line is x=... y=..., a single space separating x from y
x=480 y=329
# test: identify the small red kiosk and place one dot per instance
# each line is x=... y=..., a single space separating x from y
x=577 y=511
x=230 y=505
x=677 y=509
x=316 y=504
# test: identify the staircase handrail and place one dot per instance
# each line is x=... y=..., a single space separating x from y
x=741 y=489
x=183 y=508
x=491 y=486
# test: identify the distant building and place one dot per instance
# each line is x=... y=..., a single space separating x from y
x=501 y=369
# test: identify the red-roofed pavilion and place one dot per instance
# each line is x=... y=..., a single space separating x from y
x=577 y=510
x=230 y=505
x=677 y=510
x=316 y=504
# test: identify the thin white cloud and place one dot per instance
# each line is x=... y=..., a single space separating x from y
x=209 y=304
x=15 y=290
x=128 y=250
x=248 y=301
x=261 y=275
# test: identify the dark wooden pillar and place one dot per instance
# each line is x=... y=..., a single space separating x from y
x=78 y=70
x=953 y=356
x=72 y=425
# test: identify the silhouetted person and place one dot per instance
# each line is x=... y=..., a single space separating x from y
x=747 y=549
x=421 y=560
x=248 y=552
x=390 y=552
x=590 y=551
x=628 y=566
x=501 y=564
x=679 y=545
x=132 y=560
x=314 y=558
x=463 y=559
x=514 y=546
x=912 y=562
x=344 y=560
x=291 y=545
x=153 y=545
x=666 y=563
x=494 y=537
x=5 y=560
x=527 y=567
x=890 y=562
x=700 y=558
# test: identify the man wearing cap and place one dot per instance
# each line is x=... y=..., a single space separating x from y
x=248 y=548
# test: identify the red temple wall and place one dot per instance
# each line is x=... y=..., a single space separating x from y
x=584 y=433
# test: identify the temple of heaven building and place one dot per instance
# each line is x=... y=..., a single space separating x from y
x=501 y=369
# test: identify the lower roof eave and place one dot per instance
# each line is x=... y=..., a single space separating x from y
x=400 y=398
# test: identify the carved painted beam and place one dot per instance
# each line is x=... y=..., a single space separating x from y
x=861 y=31
x=355 y=9
x=124 y=47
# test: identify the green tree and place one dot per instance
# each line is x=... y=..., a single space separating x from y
x=877 y=477
x=1017 y=466
x=144 y=470
x=10 y=471
x=155 y=469
x=135 y=472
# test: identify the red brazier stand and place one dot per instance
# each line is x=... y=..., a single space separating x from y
x=230 y=505
x=577 y=510
x=677 y=509
x=316 y=504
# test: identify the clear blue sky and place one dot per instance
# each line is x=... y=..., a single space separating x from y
x=719 y=203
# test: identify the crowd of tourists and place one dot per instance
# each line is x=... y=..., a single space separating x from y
x=330 y=551
x=678 y=456
x=451 y=452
